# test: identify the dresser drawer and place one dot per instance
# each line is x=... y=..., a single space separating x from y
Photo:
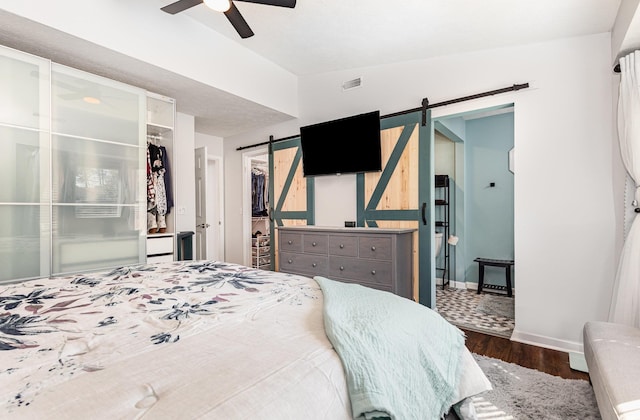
x=371 y=272
x=343 y=245
x=375 y=247
x=315 y=244
x=311 y=265
x=290 y=242
x=159 y=245
x=377 y=258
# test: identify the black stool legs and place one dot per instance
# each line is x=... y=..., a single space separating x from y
x=494 y=263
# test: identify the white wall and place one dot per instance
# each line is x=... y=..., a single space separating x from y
x=213 y=144
x=565 y=228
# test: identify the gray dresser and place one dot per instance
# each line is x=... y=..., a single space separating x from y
x=373 y=257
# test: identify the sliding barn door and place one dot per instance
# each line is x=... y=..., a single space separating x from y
x=291 y=193
x=400 y=195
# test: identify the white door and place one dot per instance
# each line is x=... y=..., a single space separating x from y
x=214 y=209
x=201 y=203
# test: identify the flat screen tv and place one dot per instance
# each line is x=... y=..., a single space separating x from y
x=346 y=145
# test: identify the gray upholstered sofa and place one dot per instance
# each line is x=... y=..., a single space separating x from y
x=613 y=357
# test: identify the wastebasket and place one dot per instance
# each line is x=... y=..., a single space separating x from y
x=185 y=245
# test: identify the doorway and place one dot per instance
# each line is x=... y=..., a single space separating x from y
x=473 y=150
x=209 y=236
x=257 y=160
x=215 y=208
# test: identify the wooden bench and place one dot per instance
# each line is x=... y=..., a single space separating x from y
x=482 y=262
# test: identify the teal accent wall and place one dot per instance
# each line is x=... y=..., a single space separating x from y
x=452 y=127
x=489 y=211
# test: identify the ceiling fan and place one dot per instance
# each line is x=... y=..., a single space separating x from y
x=229 y=10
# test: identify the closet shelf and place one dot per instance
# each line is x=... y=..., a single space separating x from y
x=160 y=235
x=260 y=221
x=442 y=190
x=158 y=129
x=261 y=252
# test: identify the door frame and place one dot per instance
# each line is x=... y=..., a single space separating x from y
x=247 y=157
x=457 y=220
x=201 y=200
x=477 y=109
x=219 y=164
x=219 y=171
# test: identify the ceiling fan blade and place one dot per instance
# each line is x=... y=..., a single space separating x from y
x=281 y=3
x=180 y=6
x=238 y=22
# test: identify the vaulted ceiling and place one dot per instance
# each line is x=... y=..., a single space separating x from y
x=320 y=36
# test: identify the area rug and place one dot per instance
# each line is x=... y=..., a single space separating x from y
x=485 y=313
x=496 y=305
x=521 y=393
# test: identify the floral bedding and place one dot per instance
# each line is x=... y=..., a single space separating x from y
x=184 y=339
x=188 y=339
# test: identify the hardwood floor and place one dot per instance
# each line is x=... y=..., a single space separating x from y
x=552 y=362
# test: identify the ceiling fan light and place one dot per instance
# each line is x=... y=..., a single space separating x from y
x=91 y=100
x=218 y=5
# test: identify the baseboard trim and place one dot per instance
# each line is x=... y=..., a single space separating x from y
x=528 y=338
x=453 y=283
x=547 y=342
x=463 y=285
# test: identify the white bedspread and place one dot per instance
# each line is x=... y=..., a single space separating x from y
x=188 y=339
x=174 y=340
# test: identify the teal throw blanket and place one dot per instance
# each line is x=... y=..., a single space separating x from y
x=401 y=359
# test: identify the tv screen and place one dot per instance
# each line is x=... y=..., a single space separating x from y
x=346 y=145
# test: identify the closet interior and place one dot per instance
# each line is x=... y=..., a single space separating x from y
x=159 y=178
x=260 y=223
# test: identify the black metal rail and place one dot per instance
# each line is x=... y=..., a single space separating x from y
x=425 y=105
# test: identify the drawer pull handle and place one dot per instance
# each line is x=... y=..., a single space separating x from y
x=341 y=246
x=313 y=244
x=373 y=272
x=290 y=261
x=373 y=248
x=289 y=242
x=314 y=265
x=341 y=268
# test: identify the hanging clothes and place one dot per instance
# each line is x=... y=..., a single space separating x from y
x=152 y=208
x=259 y=193
x=167 y=178
x=159 y=197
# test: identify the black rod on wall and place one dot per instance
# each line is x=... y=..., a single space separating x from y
x=425 y=105
x=270 y=141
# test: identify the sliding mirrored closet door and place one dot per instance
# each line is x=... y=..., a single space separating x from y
x=24 y=165
x=97 y=146
x=72 y=169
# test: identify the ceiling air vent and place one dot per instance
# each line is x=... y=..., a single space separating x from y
x=352 y=84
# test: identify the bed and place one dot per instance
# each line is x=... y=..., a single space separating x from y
x=188 y=339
